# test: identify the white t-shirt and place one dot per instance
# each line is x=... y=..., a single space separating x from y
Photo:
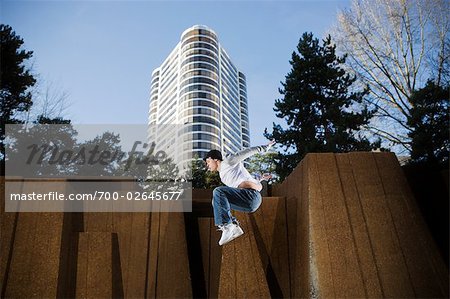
x=232 y=172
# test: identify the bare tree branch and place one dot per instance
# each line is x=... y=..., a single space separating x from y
x=390 y=137
x=52 y=102
x=387 y=42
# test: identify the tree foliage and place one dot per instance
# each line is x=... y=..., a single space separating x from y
x=16 y=78
x=263 y=163
x=200 y=177
x=429 y=122
x=322 y=110
x=107 y=144
x=15 y=81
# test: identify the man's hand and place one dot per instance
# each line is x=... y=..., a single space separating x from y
x=270 y=144
x=265 y=177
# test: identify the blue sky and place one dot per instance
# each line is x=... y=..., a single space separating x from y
x=103 y=52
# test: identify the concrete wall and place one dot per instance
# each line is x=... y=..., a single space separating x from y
x=356 y=230
x=341 y=225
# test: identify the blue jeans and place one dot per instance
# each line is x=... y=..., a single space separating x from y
x=226 y=198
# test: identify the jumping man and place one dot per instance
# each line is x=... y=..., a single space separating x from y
x=241 y=192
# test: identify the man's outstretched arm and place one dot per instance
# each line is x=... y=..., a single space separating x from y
x=248 y=152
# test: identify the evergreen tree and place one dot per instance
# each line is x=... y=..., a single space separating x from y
x=200 y=177
x=15 y=81
x=429 y=121
x=197 y=171
x=107 y=144
x=15 y=78
x=323 y=111
x=212 y=180
x=47 y=143
x=259 y=164
x=52 y=121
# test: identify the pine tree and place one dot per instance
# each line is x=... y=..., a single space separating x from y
x=199 y=175
x=15 y=81
x=259 y=164
x=323 y=111
x=197 y=172
x=15 y=78
x=429 y=122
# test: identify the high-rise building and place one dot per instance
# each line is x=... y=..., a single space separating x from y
x=199 y=87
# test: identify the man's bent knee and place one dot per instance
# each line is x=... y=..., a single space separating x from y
x=216 y=194
x=255 y=207
x=217 y=190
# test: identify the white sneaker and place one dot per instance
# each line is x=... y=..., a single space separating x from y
x=230 y=232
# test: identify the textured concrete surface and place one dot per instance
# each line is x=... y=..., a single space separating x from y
x=168 y=270
x=341 y=225
x=242 y=274
x=97 y=266
x=359 y=232
x=30 y=253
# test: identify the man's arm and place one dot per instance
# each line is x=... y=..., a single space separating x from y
x=248 y=152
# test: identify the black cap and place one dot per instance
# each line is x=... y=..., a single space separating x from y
x=213 y=154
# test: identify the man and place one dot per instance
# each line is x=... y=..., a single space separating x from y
x=241 y=192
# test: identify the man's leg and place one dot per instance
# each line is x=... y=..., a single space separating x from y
x=248 y=201
x=221 y=207
x=226 y=198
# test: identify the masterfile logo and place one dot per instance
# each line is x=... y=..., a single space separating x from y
x=94 y=168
